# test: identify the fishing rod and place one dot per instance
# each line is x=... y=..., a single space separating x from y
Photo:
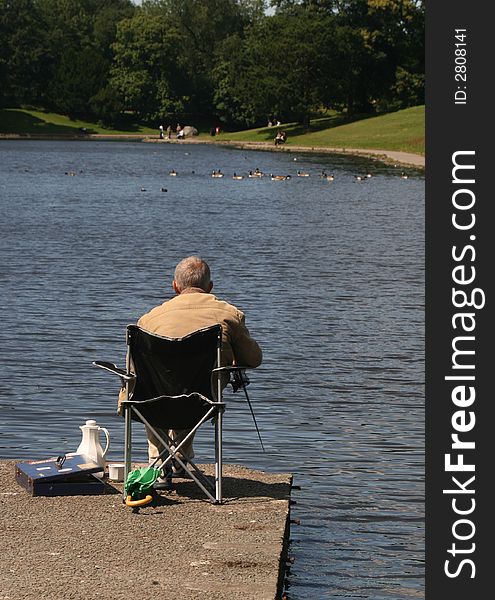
x=240 y=379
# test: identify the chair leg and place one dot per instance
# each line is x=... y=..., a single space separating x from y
x=218 y=458
x=192 y=469
x=127 y=443
x=171 y=452
x=218 y=430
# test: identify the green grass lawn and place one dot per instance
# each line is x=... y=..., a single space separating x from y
x=17 y=120
x=403 y=130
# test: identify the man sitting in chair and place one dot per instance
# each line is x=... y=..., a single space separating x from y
x=195 y=307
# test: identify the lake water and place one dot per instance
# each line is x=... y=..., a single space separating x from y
x=330 y=276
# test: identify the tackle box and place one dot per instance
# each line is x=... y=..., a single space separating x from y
x=70 y=475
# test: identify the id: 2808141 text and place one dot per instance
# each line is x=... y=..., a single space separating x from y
x=460 y=66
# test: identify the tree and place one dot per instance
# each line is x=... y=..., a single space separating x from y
x=23 y=52
x=280 y=69
x=393 y=35
x=386 y=45
x=204 y=25
x=79 y=75
x=79 y=53
x=99 y=57
x=145 y=70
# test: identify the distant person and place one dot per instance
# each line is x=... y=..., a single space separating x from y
x=169 y=132
x=161 y=131
x=213 y=131
x=279 y=138
x=195 y=307
x=217 y=130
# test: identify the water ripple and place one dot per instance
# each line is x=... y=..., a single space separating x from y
x=331 y=279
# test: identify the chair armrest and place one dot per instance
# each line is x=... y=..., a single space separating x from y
x=108 y=366
x=238 y=376
x=231 y=368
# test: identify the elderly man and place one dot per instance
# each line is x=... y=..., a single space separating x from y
x=195 y=307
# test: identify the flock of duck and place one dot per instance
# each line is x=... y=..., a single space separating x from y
x=258 y=173
x=217 y=173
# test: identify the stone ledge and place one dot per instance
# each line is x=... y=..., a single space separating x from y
x=96 y=548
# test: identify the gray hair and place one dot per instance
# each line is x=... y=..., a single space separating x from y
x=192 y=272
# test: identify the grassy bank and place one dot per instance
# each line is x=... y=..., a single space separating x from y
x=402 y=131
x=36 y=122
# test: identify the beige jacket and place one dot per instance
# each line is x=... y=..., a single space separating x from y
x=194 y=309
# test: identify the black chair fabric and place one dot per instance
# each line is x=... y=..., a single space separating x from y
x=173 y=366
x=173 y=412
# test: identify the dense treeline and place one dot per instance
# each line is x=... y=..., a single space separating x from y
x=224 y=59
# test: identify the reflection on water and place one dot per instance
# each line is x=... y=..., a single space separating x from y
x=330 y=275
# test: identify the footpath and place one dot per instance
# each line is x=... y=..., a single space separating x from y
x=388 y=156
x=96 y=548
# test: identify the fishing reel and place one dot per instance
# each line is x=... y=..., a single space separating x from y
x=238 y=379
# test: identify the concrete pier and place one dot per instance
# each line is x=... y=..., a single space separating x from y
x=96 y=548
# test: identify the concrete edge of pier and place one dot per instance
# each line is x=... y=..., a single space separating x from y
x=95 y=548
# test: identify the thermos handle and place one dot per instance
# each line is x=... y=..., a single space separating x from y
x=107 y=435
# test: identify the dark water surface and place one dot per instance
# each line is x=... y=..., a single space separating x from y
x=330 y=276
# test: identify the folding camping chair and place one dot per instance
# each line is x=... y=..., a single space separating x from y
x=171 y=386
